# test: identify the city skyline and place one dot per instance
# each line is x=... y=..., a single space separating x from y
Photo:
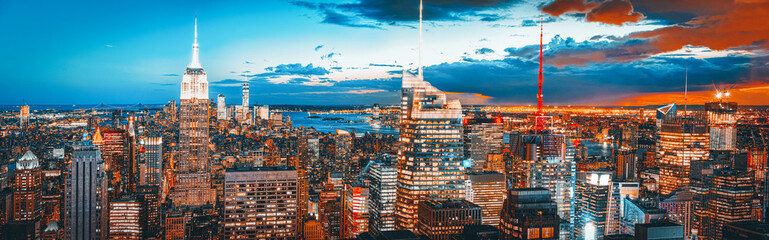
x=354 y=52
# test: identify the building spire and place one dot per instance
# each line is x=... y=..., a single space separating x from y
x=539 y=116
x=195 y=62
x=419 y=70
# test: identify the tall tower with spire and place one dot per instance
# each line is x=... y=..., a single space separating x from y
x=431 y=146
x=193 y=179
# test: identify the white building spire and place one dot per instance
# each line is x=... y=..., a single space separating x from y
x=421 y=76
x=195 y=62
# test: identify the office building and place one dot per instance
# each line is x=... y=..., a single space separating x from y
x=27 y=188
x=748 y=230
x=598 y=203
x=619 y=191
x=221 y=107
x=342 y=155
x=722 y=122
x=444 y=220
x=530 y=213
x=723 y=196
x=193 y=170
x=546 y=161
x=124 y=221
x=481 y=139
x=24 y=117
x=486 y=189
x=313 y=230
x=355 y=212
x=382 y=188
x=150 y=161
x=330 y=211
x=637 y=211
x=682 y=140
x=86 y=196
x=678 y=206
x=149 y=216
x=260 y=203
x=659 y=231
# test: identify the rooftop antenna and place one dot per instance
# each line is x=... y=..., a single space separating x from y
x=539 y=116
x=686 y=88
x=421 y=77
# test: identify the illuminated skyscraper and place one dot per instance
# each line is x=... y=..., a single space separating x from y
x=342 y=155
x=150 y=161
x=431 y=147
x=27 y=189
x=443 y=220
x=24 y=117
x=86 y=198
x=383 y=183
x=193 y=178
x=355 y=219
x=546 y=161
x=243 y=108
x=260 y=203
x=482 y=139
x=723 y=125
x=221 y=107
x=727 y=198
x=330 y=211
x=486 y=189
x=529 y=213
x=124 y=219
x=682 y=140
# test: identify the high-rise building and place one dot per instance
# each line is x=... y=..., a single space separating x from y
x=482 y=139
x=619 y=191
x=626 y=164
x=27 y=189
x=431 y=154
x=682 y=140
x=598 y=202
x=546 y=161
x=150 y=161
x=264 y=112
x=244 y=107
x=723 y=196
x=24 y=117
x=124 y=219
x=86 y=198
x=149 y=216
x=383 y=176
x=330 y=211
x=221 y=107
x=659 y=231
x=355 y=218
x=678 y=206
x=312 y=230
x=260 y=203
x=529 y=213
x=193 y=177
x=638 y=211
x=114 y=147
x=443 y=220
x=722 y=122
x=343 y=155
x=431 y=147
x=485 y=190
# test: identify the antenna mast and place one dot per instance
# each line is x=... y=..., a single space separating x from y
x=686 y=88
x=419 y=70
x=539 y=116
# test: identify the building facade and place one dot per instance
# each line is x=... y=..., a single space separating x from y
x=444 y=220
x=529 y=213
x=86 y=197
x=486 y=189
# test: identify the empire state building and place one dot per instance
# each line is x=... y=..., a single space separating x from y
x=193 y=180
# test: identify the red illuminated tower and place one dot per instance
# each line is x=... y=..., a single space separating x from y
x=540 y=115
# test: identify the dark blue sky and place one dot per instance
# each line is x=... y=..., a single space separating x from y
x=352 y=52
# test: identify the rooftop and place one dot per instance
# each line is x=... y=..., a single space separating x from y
x=449 y=204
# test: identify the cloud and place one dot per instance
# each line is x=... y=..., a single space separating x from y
x=293 y=69
x=483 y=51
x=616 y=12
x=109 y=46
x=374 y=13
x=318 y=47
x=170 y=75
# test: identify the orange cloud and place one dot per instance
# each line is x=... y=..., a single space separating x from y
x=614 y=12
x=755 y=93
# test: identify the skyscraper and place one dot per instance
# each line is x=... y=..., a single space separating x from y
x=486 y=189
x=221 y=107
x=342 y=155
x=431 y=150
x=723 y=125
x=682 y=140
x=193 y=178
x=383 y=183
x=150 y=161
x=330 y=211
x=24 y=117
x=260 y=203
x=86 y=200
x=598 y=203
x=124 y=219
x=723 y=196
x=544 y=160
x=27 y=189
x=443 y=220
x=529 y=213
x=244 y=106
x=355 y=204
